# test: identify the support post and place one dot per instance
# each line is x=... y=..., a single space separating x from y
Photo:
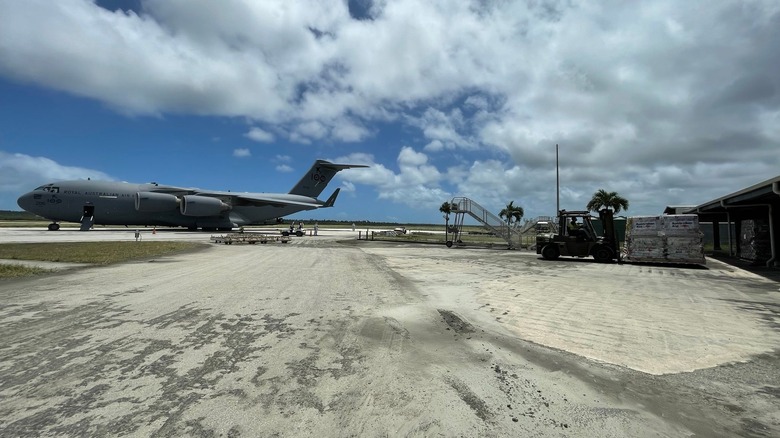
x=716 y=235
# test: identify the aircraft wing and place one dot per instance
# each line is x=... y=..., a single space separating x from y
x=258 y=199
x=254 y=199
x=172 y=190
x=239 y=198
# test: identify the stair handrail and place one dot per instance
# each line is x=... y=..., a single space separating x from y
x=500 y=227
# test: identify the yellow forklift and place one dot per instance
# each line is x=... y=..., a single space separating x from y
x=576 y=237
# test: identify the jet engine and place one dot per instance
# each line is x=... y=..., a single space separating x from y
x=194 y=205
x=155 y=202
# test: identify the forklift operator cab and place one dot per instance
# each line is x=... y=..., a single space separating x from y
x=578 y=238
x=582 y=232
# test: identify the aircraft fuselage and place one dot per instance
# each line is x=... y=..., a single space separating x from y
x=114 y=203
x=120 y=203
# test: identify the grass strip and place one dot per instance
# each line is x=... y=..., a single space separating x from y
x=100 y=253
x=16 y=271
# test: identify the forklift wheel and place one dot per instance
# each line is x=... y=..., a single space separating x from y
x=449 y=244
x=550 y=252
x=602 y=254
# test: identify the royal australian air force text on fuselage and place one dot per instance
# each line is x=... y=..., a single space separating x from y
x=92 y=202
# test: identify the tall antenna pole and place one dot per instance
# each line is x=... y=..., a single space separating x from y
x=557 y=183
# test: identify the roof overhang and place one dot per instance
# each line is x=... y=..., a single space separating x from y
x=677 y=209
x=753 y=197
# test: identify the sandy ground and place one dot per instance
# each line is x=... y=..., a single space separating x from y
x=331 y=337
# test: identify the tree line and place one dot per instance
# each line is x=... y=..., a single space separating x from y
x=514 y=213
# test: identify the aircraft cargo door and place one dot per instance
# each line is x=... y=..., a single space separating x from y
x=88 y=217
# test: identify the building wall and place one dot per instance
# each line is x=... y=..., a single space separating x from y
x=706 y=228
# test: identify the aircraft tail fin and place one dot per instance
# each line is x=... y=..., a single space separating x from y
x=320 y=174
x=332 y=199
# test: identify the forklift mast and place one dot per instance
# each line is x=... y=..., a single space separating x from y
x=605 y=216
x=610 y=234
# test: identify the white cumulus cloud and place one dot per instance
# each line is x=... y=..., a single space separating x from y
x=259 y=135
x=242 y=153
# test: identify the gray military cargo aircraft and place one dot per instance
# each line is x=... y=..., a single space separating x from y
x=118 y=203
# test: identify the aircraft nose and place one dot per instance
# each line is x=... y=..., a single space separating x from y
x=25 y=201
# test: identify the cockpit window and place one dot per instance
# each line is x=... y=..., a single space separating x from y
x=49 y=188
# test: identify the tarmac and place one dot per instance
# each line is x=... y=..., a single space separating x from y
x=333 y=336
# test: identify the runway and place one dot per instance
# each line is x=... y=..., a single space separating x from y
x=331 y=336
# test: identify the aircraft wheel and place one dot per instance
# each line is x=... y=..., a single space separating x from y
x=550 y=252
x=449 y=244
x=54 y=227
x=602 y=254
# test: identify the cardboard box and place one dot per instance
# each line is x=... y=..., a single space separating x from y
x=643 y=225
x=664 y=239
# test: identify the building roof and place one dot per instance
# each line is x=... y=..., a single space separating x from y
x=755 y=196
x=677 y=209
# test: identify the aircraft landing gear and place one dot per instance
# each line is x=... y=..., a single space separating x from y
x=54 y=226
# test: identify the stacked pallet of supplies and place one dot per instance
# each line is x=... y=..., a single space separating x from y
x=684 y=239
x=664 y=239
x=755 y=244
x=643 y=239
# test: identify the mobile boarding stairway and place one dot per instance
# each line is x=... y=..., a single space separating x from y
x=465 y=206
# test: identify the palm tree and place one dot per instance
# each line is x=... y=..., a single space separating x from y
x=603 y=199
x=512 y=211
x=446 y=208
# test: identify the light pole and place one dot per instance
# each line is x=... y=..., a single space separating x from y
x=557 y=184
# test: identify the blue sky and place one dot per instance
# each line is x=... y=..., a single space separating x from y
x=665 y=102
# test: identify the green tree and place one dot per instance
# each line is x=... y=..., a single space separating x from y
x=446 y=208
x=603 y=199
x=511 y=212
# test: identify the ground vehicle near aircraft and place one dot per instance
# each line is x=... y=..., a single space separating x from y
x=580 y=241
x=292 y=231
x=117 y=203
